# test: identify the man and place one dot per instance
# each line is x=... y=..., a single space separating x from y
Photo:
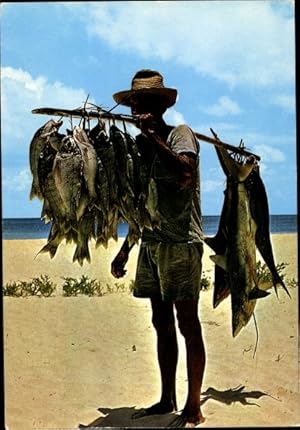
x=169 y=262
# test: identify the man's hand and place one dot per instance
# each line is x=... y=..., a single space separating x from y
x=118 y=264
x=146 y=123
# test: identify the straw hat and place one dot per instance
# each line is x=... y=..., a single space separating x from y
x=147 y=81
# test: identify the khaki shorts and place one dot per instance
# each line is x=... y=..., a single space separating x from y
x=169 y=270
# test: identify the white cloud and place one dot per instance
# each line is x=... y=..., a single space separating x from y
x=254 y=141
x=174 y=117
x=269 y=154
x=239 y=42
x=34 y=86
x=286 y=102
x=224 y=106
x=20 y=94
x=20 y=181
x=211 y=185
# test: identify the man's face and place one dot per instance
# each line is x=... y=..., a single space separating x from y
x=147 y=103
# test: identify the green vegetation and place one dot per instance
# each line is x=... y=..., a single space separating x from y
x=264 y=275
x=41 y=286
x=83 y=286
x=72 y=287
x=205 y=282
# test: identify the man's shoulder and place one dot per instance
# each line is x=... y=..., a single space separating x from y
x=183 y=139
x=182 y=130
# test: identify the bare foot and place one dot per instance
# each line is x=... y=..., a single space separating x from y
x=194 y=421
x=157 y=409
x=187 y=421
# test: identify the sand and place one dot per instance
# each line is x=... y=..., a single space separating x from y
x=72 y=360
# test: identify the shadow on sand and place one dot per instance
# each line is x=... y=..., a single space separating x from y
x=122 y=417
x=233 y=395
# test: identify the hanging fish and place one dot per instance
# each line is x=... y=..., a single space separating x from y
x=89 y=157
x=38 y=142
x=55 y=237
x=105 y=152
x=67 y=173
x=260 y=212
x=86 y=231
x=237 y=234
x=121 y=156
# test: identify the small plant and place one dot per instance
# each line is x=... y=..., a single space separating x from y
x=109 y=288
x=292 y=283
x=205 y=282
x=120 y=287
x=70 y=287
x=264 y=276
x=41 y=286
x=12 y=289
x=83 y=286
x=131 y=286
x=263 y=273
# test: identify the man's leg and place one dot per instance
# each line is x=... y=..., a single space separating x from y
x=189 y=325
x=167 y=351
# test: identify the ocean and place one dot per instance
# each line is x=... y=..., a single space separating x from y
x=35 y=228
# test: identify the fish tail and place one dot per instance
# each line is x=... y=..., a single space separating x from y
x=49 y=247
x=81 y=253
x=101 y=241
x=277 y=280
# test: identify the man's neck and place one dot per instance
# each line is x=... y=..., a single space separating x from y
x=162 y=129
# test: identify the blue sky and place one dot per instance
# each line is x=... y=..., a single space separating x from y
x=232 y=62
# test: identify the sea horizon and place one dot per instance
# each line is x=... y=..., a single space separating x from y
x=35 y=228
x=206 y=215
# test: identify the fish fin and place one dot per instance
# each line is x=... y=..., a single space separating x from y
x=220 y=260
x=49 y=247
x=279 y=281
x=256 y=293
x=81 y=253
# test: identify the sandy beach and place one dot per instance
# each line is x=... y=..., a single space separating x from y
x=92 y=360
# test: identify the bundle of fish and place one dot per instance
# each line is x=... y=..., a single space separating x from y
x=89 y=181
x=243 y=227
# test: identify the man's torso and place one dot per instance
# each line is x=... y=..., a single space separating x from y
x=175 y=211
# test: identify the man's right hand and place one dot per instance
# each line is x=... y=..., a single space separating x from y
x=118 y=264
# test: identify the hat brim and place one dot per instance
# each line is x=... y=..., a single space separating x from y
x=168 y=94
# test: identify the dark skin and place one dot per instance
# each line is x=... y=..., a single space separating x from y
x=182 y=166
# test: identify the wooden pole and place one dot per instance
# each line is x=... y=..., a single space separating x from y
x=100 y=113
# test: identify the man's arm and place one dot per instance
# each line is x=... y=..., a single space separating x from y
x=182 y=165
x=118 y=264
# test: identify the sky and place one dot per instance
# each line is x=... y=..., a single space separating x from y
x=232 y=62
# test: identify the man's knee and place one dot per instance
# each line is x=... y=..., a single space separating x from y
x=163 y=316
x=188 y=324
x=187 y=317
x=163 y=323
x=189 y=327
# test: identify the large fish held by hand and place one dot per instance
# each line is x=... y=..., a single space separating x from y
x=243 y=226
